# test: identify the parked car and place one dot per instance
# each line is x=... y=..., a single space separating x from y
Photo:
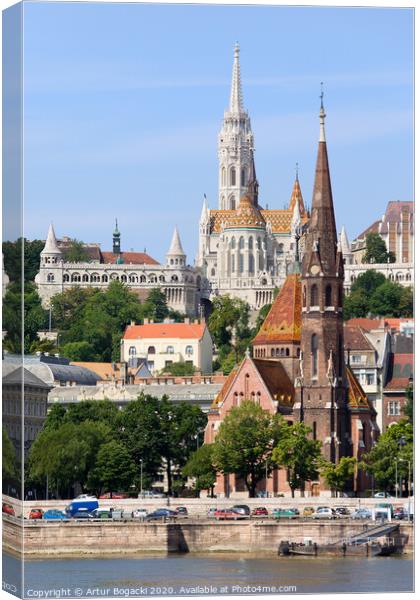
x=223 y=514
x=82 y=514
x=342 y=511
x=400 y=513
x=36 y=513
x=101 y=513
x=53 y=514
x=82 y=504
x=285 y=513
x=361 y=513
x=324 y=512
x=242 y=509
x=85 y=497
x=161 y=513
x=8 y=509
x=113 y=496
x=382 y=495
x=149 y=494
x=181 y=511
x=211 y=511
x=308 y=511
x=260 y=511
x=139 y=513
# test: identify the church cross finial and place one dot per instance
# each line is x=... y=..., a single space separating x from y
x=322 y=115
x=236 y=105
x=297 y=171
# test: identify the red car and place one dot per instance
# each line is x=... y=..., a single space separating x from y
x=225 y=513
x=8 y=509
x=260 y=511
x=36 y=513
x=115 y=496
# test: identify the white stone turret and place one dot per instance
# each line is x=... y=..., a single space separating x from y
x=235 y=143
x=51 y=254
x=203 y=234
x=175 y=257
x=345 y=247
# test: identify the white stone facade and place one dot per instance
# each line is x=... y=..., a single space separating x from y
x=180 y=282
x=402 y=273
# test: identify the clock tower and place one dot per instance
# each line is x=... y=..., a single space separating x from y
x=324 y=393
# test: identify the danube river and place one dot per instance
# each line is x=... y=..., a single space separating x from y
x=208 y=574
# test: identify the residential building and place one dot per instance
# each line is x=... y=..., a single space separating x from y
x=399 y=378
x=163 y=344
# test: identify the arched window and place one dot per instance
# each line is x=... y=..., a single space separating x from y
x=233 y=263
x=66 y=278
x=162 y=278
x=233 y=243
x=174 y=278
x=251 y=243
x=251 y=263
x=314 y=295
x=142 y=279
x=170 y=350
x=243 y=177
x=328 y=296
x=281 y=248
x=223 y=175
x=75 y=277
x=273 y=351
x=287 y=352
x=151 y=350
x=213 y=272
x=104 y=278
x=232 y=203
x=233 y=176
x=314 y=430
x=132 y=351
x=314 y=352
x=241 y=243
x=189 y=350
x=241 y=263
x=124 y=278
x=50 y=277
x=304 y=296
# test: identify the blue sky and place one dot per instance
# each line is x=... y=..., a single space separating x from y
x=123 y=104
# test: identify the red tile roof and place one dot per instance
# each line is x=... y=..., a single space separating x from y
x=354 y=339
x=283 y=322
x=165 y=330
x=135 y=258
x=365 y=323
x=401 y=369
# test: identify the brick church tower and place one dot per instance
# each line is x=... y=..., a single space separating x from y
x=323 y=379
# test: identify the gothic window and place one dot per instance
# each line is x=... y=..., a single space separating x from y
x=232 y=203
x=233 y=263
x=233 y=176
x=251 y=243
x=151 y=350
x=281 y=248
x=213 y=272
x=152 y=278
x=241 y=243
x=104 y=278
x=171 y=261
x=85 y=278
x=304 y=296
x=66 y=278
x=223 y=176
x=314 y=295
x=314 y=430
x=259 y=243
x=50 y=277
x=142 y=279
x=243 y=177
x=75 y=277
x=251 y=263
x=314 y=352
x=287 y=352
x=174 y=278
x=198 y=282
x=298 y=352
x=133 y=278
x=328 y=296
x=241 y=263
x=232 y=243
x=124 y=278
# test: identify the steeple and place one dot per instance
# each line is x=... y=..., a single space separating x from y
x=51 y=253
x=204 y=211
x=236 y=105
x=176 y=255
x=252 y=180
x=322 y=116
x=345 y=246
x=116 y=240
x=296 y=196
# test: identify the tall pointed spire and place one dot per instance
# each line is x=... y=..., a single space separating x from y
x=51 y=246
x=236 y=105
x=176 y=246
x=345 y=246
x=252 y=180
x=296 y=198
x=322 y=116
x=204 y=211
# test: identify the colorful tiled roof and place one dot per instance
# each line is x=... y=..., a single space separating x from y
x=297 y=197
x=280 y=220
x=277 y=381
x=134 y=258
x=226 y=386
x=183 y=331
x=357 y=397
x=283 y=322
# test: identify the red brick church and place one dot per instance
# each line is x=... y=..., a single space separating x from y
x=298 y=364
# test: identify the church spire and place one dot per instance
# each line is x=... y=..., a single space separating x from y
x=322 y=116
x=236 y=105
x=116 y=239
x=51 y=246
x=296 y=198
x=252 y=180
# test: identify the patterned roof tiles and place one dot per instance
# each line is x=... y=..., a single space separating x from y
x=280 y=220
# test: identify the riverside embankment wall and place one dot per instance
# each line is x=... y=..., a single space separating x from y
x=50 y=539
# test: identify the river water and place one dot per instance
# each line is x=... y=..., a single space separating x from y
x=207 y=574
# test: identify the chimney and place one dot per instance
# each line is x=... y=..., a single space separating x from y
x=187 y=320
x=146 y=321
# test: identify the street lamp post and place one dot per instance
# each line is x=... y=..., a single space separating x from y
x=141 y=477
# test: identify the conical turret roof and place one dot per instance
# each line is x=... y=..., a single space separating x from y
x=176 y=248
x=236 y=104
x=296 y=198
x=247 y=215
x=345 y=246
x=51 y=246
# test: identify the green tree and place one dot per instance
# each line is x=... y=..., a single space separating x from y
x=385 y=300
x=114 y=469
x=409 y=407
x=35 y=317
x=13 y=258
x=200 y=465
x=180 y=369
x=263 y=312
x=356 y=304
x=244 y=443
x=406 y=306
x=394 y=448
x=155 y=306
x=78 y=351
x=338 y=475
x=229 y=326
x=368 y=282
x=299 y=455
x=76 y=252
x=44 y=345
x=376 y=251
x=9 y=462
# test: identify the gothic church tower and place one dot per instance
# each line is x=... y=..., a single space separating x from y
x=323 y=367
x=235 y=143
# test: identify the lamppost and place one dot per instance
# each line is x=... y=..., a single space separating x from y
x=141 y=477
